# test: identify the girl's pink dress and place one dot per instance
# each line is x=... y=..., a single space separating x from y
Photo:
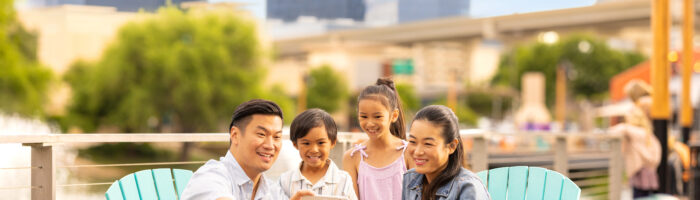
x=380 y=183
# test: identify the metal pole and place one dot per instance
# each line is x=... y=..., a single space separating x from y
x=660 y=111
x=686 y=107
x=687 y=58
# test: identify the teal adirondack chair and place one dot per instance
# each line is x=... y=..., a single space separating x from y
x=522 y=182
x=150 y=184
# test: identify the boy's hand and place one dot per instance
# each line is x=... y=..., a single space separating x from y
x=300 y=194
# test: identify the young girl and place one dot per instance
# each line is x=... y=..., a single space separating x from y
x=314 y=134
x=377 y=165
x=436 y=148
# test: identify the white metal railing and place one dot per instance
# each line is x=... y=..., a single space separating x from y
x=43 y=167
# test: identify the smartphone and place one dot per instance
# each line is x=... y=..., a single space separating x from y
x=322 y=197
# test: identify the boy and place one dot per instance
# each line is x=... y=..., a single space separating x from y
x=314 y=133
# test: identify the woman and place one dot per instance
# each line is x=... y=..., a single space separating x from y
x=641 y=149
x=436 y=148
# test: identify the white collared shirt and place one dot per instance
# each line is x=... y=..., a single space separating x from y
x=335 y=182
x=225 y=178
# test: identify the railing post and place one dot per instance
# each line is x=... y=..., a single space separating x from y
x=480 y=154
x=43 y=172
x=561 y=159
x=339 y=150
x=615 y=170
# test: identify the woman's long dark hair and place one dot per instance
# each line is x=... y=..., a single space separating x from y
x=443 y=117
x=385 y=92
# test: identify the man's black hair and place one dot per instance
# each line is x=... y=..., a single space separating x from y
x=244 y=112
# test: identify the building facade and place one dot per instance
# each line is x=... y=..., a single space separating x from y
x=388 y=12
x=291 y=10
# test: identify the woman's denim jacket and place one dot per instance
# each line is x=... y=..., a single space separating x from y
x=466 y=185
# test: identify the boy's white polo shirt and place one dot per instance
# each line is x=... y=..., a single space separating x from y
x=335 y=182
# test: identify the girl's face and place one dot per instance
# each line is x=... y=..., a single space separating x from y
x=428 y=149
x=314 y=147
x=375 y=118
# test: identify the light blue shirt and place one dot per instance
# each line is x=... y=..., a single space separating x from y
x=225 y=178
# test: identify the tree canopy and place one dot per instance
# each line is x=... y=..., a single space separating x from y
x=23 y=80
x=409 y=98
x=592 y=64
x=186 y=68
x=327 y=89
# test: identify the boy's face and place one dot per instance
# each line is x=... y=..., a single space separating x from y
x=314 y=147
x=259 y=146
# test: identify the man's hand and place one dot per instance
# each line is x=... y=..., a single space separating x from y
x=300 y=194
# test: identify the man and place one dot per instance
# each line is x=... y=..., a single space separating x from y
x=256 y=140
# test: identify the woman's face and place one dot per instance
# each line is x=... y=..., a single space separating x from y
x=428 y=149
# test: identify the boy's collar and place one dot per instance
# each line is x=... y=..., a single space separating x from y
x=332 y=169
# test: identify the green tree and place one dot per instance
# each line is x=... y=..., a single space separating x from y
x=464 y=113
x=593 y=63
x=483 y=101
x=327 y=89
x=187 y=68
x=23 y=81
x=409 y=99
x=278 y=95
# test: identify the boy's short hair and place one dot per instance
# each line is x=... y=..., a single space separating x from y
x=310 y=119
x=244 y=112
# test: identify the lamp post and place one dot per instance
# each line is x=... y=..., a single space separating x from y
x=660 y=111
x=687 y=69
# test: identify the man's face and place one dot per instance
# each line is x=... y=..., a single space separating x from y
x=257 y=148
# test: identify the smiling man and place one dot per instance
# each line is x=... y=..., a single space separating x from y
x=256 y=140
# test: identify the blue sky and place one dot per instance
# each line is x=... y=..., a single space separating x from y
x=479 y=8
x=255 y=6
x=487 y=8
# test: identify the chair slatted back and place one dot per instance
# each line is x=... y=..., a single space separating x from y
x=162 y=183
x=528 y=183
